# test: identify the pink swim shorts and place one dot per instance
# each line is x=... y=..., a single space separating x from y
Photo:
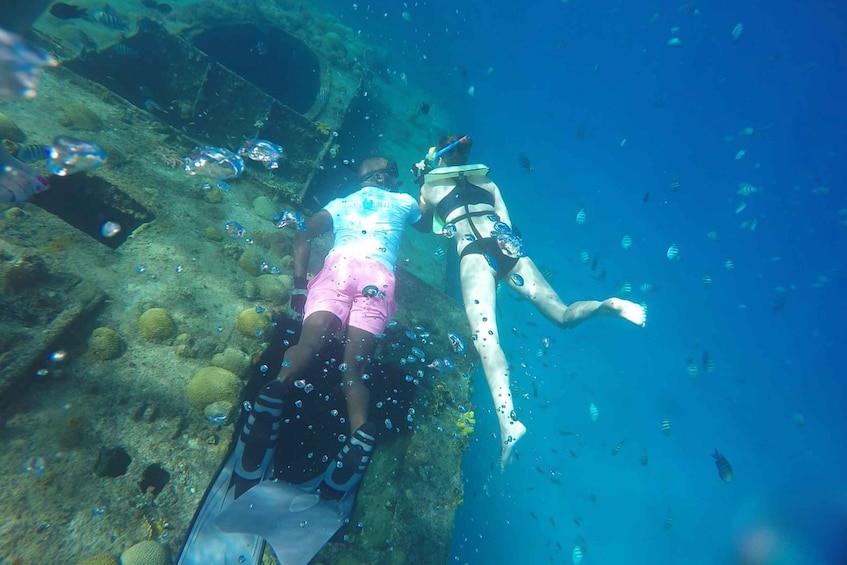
x=359 y=291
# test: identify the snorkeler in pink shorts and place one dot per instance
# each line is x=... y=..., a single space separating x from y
x=359 y=292
x=353 y=292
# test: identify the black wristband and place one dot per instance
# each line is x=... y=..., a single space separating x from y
x=299 y=282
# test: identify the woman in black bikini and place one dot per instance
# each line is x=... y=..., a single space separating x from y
x=467 y=207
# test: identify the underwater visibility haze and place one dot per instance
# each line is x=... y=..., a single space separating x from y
x=687 y=157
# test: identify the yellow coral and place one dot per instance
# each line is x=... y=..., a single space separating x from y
x=466 y=422
x=213 y=234
x=145 y=553
x=253 y=324
x=323 y=128
x=156 y=324
x=212 y=384
x=105 y=344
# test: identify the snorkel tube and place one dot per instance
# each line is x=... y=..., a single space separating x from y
x=429 y=162
x=434 y=156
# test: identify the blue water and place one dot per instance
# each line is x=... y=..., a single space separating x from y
x=773 y=325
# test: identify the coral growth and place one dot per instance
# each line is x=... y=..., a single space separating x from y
x=466 y=423
x=249 y=262
x=275 y=288
x=264 y=207
x=156 y=324
x=213 y=234
x=104 y=344
x=233 y=360
x=212 y=384
x=145 y=553
x=81 y=117
x=253 y=324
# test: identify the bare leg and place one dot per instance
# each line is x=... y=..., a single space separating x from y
x=357 y=355
x=479 y=293
x=258 y=438
x=538 y=291
x=317 y=329
x=580 y=311
x=348 y=467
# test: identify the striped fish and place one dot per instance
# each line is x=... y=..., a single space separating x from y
x=109 y=20
x=32 y=152
x=18 y=181
x=124 y=50
x=724 y=467
x=617 y=449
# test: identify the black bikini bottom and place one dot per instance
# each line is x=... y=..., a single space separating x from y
x=488 y=248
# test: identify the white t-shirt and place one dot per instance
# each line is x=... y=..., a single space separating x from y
x=369 y=223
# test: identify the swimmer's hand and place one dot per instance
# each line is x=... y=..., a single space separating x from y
x=297 y=302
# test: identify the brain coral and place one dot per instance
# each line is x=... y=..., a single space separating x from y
x=253 y=324
x=104 y=344
x=273 y=288
x=212 y=384
x=233 y=360
x=156 y=324
x=145 y=553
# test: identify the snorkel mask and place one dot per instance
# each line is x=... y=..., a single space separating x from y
x=389 y=172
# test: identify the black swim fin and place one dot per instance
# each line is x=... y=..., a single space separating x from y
x=205 y=543
x=298 y=520
x=250 y=462
x=294 y=520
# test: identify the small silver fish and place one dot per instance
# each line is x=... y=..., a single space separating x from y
x=124 y=50
x=746 y=189
x=150 y=105
x=617 y=449
x=580 y=217
x=673 y=252
x=737 y=31
x=109 y=20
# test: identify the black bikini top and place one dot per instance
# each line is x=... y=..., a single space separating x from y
x=463 y=194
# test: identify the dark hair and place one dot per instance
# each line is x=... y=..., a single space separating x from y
x=379 y=171
x=370 y=164
x=459 y=154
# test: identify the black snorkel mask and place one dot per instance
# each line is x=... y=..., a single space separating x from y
x=389 y=175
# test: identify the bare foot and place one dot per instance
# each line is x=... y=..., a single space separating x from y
x=508 y=439
x=620 y=308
